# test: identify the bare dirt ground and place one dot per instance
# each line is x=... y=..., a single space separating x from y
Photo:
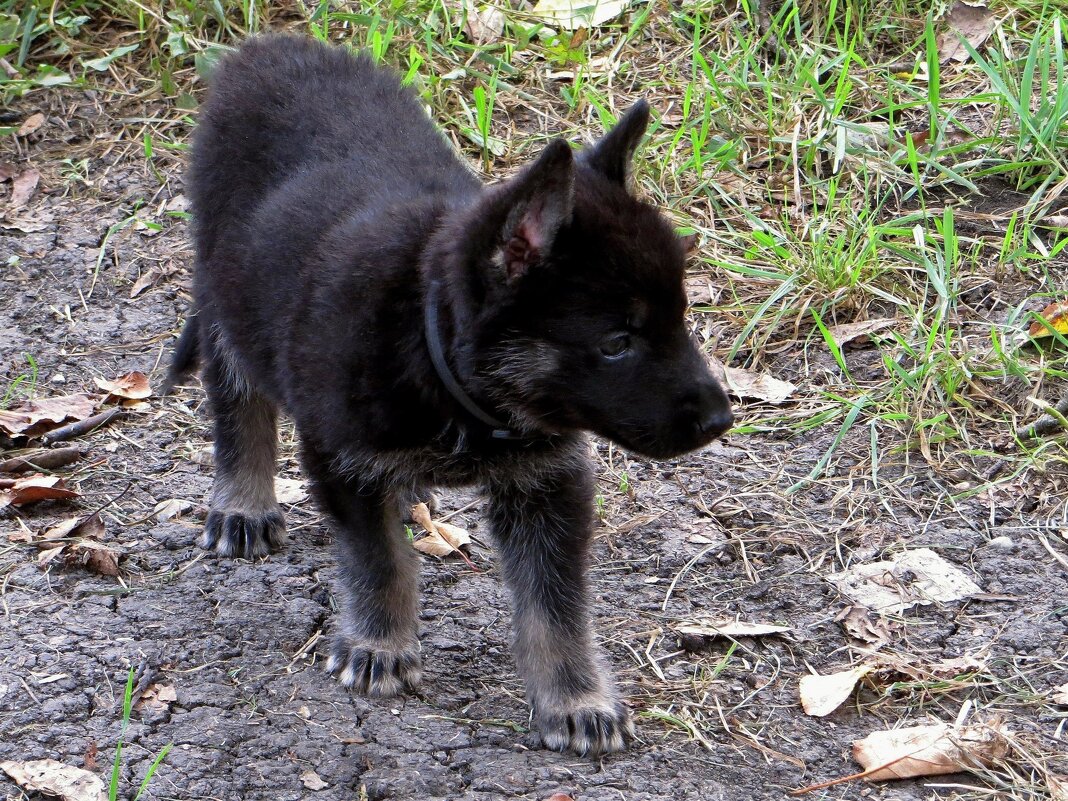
x=254 y=715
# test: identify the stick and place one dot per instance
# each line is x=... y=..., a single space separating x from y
x=42 y=460
x=1049 y=423
x=82 y=426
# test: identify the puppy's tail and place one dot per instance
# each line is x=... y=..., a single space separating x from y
x=186 y=354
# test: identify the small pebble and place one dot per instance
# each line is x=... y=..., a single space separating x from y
x=1002 y=543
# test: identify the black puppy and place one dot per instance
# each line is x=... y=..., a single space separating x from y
x=424 y=330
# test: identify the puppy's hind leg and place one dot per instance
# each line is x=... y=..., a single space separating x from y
x=245 y=519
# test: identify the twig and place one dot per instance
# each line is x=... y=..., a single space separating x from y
x=82 y=426
x=1053 y=553
x=42 y=460
x=1052 y=421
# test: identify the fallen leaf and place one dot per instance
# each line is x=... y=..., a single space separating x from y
x=573 y=14
x=559 y=797
x=699 y=290
x=170 y=509
x=1056 y=314
x=94 y=557
x=23 y=187
x=147 y=279
x=204 y=456
x=482 y=25
x=1060 y=695
x=971 y=21
x=61 y=530
x=860 y=625
x=442 y=538
x=32 y=123
x=1049 y=221
x=821 y=695
x=35 y=488
x=929 y=750
x=91 y=526
x=89 y=759
x=761 y=386
x=312 y=780
x=132 y=386
x=847 y=332
x=712 y=627
x=47 y=556
x=53 y=778
x=37 y=416
x=157 y=697
x=290 y=490
x=7 y=171
x=956 y=666
x=913 y=577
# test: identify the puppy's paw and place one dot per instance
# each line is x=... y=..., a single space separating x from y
x=251 y=536
x=377 y=670
x=586 y=726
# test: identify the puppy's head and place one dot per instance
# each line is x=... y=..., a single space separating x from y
x=571 y=297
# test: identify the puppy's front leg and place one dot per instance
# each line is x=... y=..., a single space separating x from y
x=544 y=538
x=376 y=650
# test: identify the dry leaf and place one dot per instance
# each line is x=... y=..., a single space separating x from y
x=700 y=290
x=914 y=577
x=821 y=695
x=91 y=526
x=23 y=187
x=47 y=556
x=290 y=490
x=94 y=557
x=712 y=627
x=35 y=488
x=32 y=123
x=761 y=386
x=60 y=530
x=1056 y=314
x=53 y=778
x=157 y=697
x=573 y=14
x=559 y=797
x=860 y=625
x=442 y=538
x=204 y=456
x=312 y=780
x=7 y=171
x=1060 y=695
x=482 y=25
x=847 y=332
x=929 y=750
x=147 y=279
x=972 y=21
x=35 y=417
x=1049 y=221
x=132 y=386
x=170 y=509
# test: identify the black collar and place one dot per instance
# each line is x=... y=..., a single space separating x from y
x=499 y=430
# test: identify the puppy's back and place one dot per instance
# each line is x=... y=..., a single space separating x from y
x=283 y=104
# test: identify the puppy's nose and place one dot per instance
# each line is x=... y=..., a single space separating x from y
x=716 y=422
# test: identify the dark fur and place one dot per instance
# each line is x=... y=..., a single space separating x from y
x=325 y=203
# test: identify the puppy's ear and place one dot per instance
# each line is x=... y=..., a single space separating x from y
x=612 y=155
x=541 y=200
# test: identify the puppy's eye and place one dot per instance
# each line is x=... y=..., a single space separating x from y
x=615 y=345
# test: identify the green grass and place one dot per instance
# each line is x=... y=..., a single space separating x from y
x=116 y=765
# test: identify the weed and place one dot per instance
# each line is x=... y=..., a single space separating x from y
x=127 y=709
